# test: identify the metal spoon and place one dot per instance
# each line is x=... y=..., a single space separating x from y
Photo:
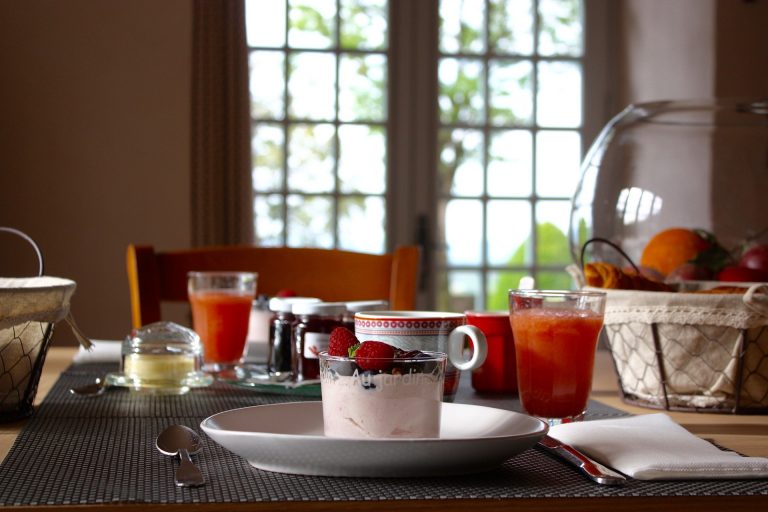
x=591 y=468
x=181 y=440
x=97 y=387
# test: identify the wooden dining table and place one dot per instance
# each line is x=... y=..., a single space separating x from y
x=746 y=434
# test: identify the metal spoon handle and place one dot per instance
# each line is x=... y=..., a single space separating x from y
x=188 y=475
x=591 y=468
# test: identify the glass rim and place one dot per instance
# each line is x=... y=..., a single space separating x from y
x=683 y=112
x=434 y=356
x=556 y=293
x=221 y=273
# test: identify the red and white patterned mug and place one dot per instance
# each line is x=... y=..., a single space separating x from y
x=435 y=331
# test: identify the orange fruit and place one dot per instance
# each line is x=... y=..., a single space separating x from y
x=670 y=248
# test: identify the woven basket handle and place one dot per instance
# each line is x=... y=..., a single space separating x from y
x=756 y=298
x=40 y=264
x=610 y=244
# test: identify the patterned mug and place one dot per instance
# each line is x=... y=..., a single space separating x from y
x=434 y=331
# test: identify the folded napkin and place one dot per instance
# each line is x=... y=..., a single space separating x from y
x=104 y=351
x=654 y=447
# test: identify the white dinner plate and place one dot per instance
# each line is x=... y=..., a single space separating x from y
x=288 y=438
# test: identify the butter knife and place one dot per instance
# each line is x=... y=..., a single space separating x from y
x=593 y=469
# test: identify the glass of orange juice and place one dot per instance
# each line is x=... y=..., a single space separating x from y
x=221 y=309
x=556 y=334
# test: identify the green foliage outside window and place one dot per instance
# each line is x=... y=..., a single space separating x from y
x=552 y=247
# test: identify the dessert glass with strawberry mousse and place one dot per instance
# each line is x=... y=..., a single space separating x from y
x=378 y=391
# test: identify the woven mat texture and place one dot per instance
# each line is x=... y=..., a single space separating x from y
x=101 y=450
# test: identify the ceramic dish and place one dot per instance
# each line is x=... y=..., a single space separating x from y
x=288 y=438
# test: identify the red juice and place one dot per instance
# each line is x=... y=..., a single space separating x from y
x=555 y=351
x=221 y=319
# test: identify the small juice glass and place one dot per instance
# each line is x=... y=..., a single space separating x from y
x=221 y=309
x=556 y=334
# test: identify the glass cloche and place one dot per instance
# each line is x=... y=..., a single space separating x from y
x=697 y=164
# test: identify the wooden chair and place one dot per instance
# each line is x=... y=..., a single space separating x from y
x=331 y=275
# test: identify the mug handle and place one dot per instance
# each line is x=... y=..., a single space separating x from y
x=456 y=347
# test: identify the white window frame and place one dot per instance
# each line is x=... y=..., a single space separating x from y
x=413 y=118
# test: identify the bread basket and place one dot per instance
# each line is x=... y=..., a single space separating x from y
x=29 y=308
x=682 y=351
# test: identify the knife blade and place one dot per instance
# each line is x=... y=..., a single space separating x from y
x=591 y=468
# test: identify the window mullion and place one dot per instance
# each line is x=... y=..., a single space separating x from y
x=412 y=131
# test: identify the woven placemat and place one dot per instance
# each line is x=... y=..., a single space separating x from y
x=101 y=450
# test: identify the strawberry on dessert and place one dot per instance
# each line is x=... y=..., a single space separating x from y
x=379 y=391
x=340 y=341
x=374 y=355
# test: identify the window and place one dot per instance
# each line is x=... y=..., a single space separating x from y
x=510 y=107
x=318 y=82
x=483 y=162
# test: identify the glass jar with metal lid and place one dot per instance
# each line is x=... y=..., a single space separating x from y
x=280 y=358
x=311 y=332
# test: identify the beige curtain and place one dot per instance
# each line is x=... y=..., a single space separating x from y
x=222 y=206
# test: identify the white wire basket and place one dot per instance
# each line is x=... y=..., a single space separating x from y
x=691 y=352
x=29 y=308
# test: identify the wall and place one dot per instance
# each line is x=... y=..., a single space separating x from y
x=666 y=49
x=692 y=49
x=742 y=48
x=94 y=142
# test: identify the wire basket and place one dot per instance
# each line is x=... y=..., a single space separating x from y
x=29 y=308
x=690 y=352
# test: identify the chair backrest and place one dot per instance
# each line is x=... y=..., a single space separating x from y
x=331 y=275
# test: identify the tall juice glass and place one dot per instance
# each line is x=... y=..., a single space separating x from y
x=221 y=308
x=556 y=334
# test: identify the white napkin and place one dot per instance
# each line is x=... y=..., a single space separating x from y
x=654 y=447
x=104 y=351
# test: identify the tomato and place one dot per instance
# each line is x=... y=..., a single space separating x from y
x=742 y=274
x=756 y=257
x=690 y=272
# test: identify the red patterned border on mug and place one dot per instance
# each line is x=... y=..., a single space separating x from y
x=407 y=326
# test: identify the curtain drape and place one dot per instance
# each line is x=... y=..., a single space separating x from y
x=221 y=188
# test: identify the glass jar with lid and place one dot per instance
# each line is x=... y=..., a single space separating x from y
x=279 y=357
x=311 y=332
x=161 y=358
x=697 y=164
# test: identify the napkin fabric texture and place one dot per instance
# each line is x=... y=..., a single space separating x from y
x=654 y=447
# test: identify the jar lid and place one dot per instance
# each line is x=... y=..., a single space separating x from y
x=162 y=338
x=285 y=304
x=367 y=305
x=319 y=308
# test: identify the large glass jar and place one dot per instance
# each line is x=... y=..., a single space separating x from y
x=691 y=164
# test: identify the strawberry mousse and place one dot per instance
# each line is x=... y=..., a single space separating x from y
x=377 y=391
